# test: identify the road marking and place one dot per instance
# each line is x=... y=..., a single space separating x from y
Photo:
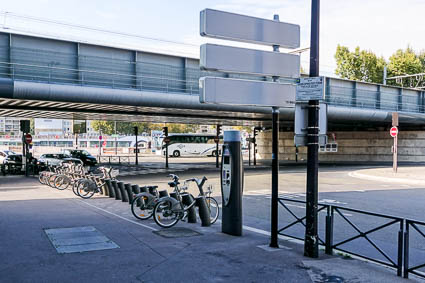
x=123 y=218
x=26 y=187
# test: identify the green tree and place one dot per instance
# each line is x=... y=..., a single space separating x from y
x=405 y=62
x=361 y=65
x=106 y=127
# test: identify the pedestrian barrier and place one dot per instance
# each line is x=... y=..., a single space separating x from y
x=419 y=228
x=379 y=252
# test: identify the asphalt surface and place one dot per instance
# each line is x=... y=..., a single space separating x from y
x=28 y=208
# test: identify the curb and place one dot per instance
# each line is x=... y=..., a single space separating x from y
x=356 y=174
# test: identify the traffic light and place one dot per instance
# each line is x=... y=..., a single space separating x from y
x=219 y=130
x=25 y=126
x=165 y=131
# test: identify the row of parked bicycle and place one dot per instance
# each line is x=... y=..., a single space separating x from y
x=145 y=201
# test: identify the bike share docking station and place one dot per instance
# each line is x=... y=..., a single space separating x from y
x=232 y=176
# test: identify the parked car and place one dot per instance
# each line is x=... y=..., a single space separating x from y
x=4 y=154
x=53 y=159
x=83 y=155
x=13 y=163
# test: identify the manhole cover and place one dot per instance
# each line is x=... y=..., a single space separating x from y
x=177 y=232
x=78 y=239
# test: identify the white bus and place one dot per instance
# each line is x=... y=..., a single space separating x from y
x=191 y=144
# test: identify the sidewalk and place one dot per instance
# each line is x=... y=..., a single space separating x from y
x=405 y=175
x=188 y=253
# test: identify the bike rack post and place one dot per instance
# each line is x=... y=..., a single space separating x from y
x=163 y=193
x=136 y=190
x=128 y=189
x=124 y=196
x=188 y=199
x=144 y=189
x=204 y=212
x=117 y=192
x=110 y=189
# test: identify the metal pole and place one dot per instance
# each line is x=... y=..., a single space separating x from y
x=216 y=145
x=115 y=130
x=395 y=149
x=311 y=247
x=275 y=165
x=255 y=147
x=275 y=178
x=249 y=151
x=136 y=132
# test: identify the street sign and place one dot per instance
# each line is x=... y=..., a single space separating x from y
x=301 y=124
x=249 y=61
x=100 y=138
x=230 y=26
x=395 y=119
x=245 y=92
x=28 y=138
x=311 y=89
x=167 y=140
x=394 y=132
x=250 y=140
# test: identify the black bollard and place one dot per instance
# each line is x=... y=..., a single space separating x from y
x=110 y=188
x=136 y=190
x=124 y=196
x=204 y=212
x=116 y=190
x=129 y=192
x=163 y=193
x=187 y=200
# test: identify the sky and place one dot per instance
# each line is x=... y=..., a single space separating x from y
x=382 y=26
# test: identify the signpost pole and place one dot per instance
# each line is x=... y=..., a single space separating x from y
x=255 y=147
x=249 y=151
x=216 y=144
x=311 y=248
x=136 y=133
x=275 y=165
x=395 y=154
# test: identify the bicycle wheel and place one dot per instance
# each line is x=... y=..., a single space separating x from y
x=60 y=182
x=143 y=211
x=87 y=189
x=41 y=178
x=75 y=186
x=214 y=209
x=163 y=214
x=51 y=180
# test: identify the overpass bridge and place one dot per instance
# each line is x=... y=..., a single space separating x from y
x=49 y=78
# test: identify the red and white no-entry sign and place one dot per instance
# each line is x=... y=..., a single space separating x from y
x=394 y=132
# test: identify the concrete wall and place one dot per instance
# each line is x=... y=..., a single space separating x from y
x=352 y=146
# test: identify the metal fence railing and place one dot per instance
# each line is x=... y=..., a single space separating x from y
x=113 y=159
x=419 y=228
x=388 y=246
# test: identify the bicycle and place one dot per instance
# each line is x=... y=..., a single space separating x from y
x=168 y=211
x=143 y=203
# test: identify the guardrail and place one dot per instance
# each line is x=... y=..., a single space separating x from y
x=415 y=225
x=400 y=256
x=113 y=159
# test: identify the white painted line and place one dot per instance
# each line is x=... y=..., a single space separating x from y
x=26 y=187
x=123 y=218
x=356 y=174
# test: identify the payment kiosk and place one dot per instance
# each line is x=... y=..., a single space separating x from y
x=232 y=183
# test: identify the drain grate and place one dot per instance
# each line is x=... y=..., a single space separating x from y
x=177 y=232
x=78 y=239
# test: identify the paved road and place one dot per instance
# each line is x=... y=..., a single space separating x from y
x=336 y=187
